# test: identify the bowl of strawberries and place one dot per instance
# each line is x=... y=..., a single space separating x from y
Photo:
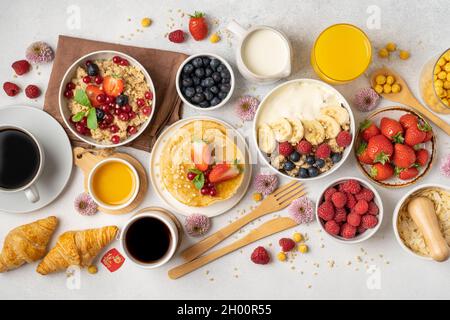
x=395 y=147
x=349 y=210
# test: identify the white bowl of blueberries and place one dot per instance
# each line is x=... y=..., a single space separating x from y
x=205 y=81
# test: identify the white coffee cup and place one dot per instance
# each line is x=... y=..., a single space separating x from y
x=30 y=189
x=172 y=224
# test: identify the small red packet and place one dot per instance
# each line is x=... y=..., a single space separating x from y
x=113 y=260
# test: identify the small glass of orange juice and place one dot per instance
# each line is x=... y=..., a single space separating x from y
x=113 y=183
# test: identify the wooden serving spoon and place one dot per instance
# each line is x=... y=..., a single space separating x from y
x=406 y=97
x=422 y=212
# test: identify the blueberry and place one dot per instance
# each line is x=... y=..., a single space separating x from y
x=198 y=97
x=188 y=82
x=320 y=163
x=226 y=80
x=215 y=101
x=196 y=80
x=336 y=157
x=189 y=92
x=188 y=68
x=220 y=68
x=198 y=89
x=208 y=82
x=122 y=100
x=197 y=62
x=208 y=72
x=313 y=171
x=206 y=61
x=216 y=77
x=200 y=72
x=294 y=156
x=225 y=74
x=214 y=64
x=303 y=173
x=100 y=114
x=288 y=166
x=208 y=95
x=310 y=160
x=225 y=88
x=92 y=69
x=204 y=104
x=222 y=95
x=214 y=89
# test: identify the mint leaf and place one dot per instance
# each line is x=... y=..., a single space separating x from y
x=199 y=181
x=82 y=98
x=92 y=119
x=77 y=117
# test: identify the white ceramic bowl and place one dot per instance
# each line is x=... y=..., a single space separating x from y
x=66 y=114
x=397 y=209
x=190 y=58
x=369 y=232
x=347 y=150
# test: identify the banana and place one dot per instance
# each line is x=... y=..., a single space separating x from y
x=215 y=137
x=332 y=128
x=297 y=130
x=281 y=129
x=338 y=113
x=314 y=132
x=266 y=139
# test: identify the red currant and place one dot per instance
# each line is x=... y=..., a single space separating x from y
x=126 y=108
x=124 y=62
x=98 y=79
x=212 y=192
x=83 y=122
x=110 y=99
x=191 y=175
x=115 y=139
x=148 y=95
x=131 y=115
x=68 y=94
x=103 y=125
x=146 y=111
x=108 y=118
x=205 y=191
x=70 y=86
x=131 y=130
x=123 y=116
x=101 y=98
x=87 y=79
x=88 y=62
x=116 y=59
x=105 y=108
x=210 y=185
x=113 y=128
x=140 y=102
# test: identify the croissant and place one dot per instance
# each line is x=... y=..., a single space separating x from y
x=77 y=248
x=26 y=243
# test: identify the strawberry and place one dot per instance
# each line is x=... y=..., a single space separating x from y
x=198 y=26
x=176 y=36
x=363 y=157
x=407 y=174
x=224 y=171
x=113 y=85
x=404 y=156
x=414 y=136
x=368 y=130
x=21 y=67
x=92 y=92
x=425 y=127
x=201 y=155
x=391 y=129
x=422 y=157
x=381 y=171
x=408 y=120
x=380 y=149
x=428 y=136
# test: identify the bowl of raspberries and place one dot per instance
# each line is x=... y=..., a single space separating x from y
x=205 y=81
x=349 y=210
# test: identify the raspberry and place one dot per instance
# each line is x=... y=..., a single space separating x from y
x=354 y=219
x=348 y=231
x=11 y=89
x=351 y=186
x=323 y=151
x=286 y=244
x=285 y=149
x=361 y=229
x=340 y=215
x=373 y=208
x=176 y=36
x=344 y=139
x=339 y=199
x=351 y=200
x=304 y=147
x=32 y=91
x=368 y=221
x=361 y=207
x=326 y=211
x=329 y=192
x=260 y=256
x=364 y=194
x=332 y=227
x=21 y=67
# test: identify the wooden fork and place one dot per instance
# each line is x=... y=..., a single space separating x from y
x=278 y=200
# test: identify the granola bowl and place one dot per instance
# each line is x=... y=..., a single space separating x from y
x=107 y=99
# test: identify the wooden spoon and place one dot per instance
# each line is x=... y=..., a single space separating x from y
x=406 y=97
x=422 y=212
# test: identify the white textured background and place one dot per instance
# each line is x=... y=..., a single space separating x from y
x=419 y=26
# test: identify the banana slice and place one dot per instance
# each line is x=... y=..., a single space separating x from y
x=338 y=113
x=314 y=132
x=281 y=129
x=332 y=128
x=215 y=137
x=266 y=139
x=297 y=130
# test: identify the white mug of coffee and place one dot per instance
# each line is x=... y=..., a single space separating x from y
x=21 y=161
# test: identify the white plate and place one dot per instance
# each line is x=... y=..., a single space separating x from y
x=216 y=208
x=58 y=157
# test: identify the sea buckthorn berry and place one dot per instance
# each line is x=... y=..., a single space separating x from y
x=297 y=237
x=303 y=248
x=391 y=46
x=379 y=88
x=396 y=88
x=387 y=88
x=380 y=79
x=281 y=256
x=404 y=55
x=383 y=53
x=390 y=79
x=146 y=22
x=214 y=38
x=92 y=269
x=257 y=196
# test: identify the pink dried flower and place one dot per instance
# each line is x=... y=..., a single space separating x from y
x=302 y=210
x=265 y=183
x=197 y=224
x=366 y=99
x=85 y=205
x=246 y=108
x=445 y=166
x=39 y=52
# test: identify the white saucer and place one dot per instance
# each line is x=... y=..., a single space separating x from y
x=58 y=157
x=214 y=209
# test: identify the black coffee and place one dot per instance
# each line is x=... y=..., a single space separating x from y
x=148 y=239
x=19 y=159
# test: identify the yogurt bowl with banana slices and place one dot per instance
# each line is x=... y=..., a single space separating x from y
x=304 y=129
